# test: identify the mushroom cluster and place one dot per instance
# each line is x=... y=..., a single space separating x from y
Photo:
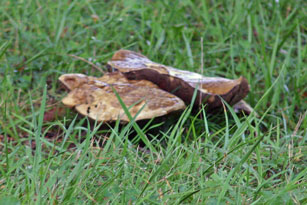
x=148 y=90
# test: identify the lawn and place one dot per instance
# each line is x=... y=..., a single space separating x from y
x=192 y=158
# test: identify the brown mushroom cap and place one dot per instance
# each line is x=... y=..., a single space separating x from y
x=181 y=83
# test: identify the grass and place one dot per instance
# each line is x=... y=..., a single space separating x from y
x=195 y=158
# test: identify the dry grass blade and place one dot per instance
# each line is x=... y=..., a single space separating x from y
x=86 y=61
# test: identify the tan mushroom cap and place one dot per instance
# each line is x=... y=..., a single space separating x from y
x=95 y=97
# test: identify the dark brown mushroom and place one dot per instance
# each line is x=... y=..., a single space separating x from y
x=181 y=83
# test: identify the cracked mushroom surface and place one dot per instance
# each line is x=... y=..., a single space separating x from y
x=95 y=97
